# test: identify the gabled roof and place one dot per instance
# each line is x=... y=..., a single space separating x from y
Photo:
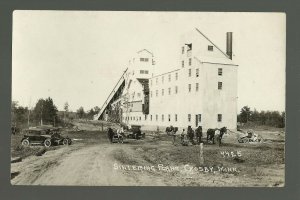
x=212 y=43
x=221 y=61
x=145 y=50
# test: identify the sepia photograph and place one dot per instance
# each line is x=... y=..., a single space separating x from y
x=144 y=98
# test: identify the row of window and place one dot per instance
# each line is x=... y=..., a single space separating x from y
x=189 y=47
x=144 y=59
x=144 y=71
x=163 y=79
x=163 y=91
x=138 y=95
x=220 y=72
x=198 y=118
x=220 y=86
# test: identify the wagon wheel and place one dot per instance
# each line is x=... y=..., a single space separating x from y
x=25 y=142
x=65 y=141
x=47 y=143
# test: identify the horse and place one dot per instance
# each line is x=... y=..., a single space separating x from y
x=211 y=133
x=222 y=131
x=171 y=130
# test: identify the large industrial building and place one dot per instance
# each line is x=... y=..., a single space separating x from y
x=202 y=90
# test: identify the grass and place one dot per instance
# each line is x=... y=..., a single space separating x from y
x=253 y=156
x=125 y=158
x=17 y=150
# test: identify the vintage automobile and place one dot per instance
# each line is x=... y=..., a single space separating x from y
x=135 y=132
x=117 y=138
x=44 y=136
x=251 y=137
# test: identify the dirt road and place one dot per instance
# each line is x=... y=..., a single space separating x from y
x=76 y=166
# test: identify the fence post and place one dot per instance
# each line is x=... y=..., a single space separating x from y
x=201 y=159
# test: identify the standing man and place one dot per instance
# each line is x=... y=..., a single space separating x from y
x=174 y=136
x=184 y=138
x=110 y=134
x=199 y=134
x=190 y=133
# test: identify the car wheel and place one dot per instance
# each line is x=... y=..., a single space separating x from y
x=47 y=143
x=65 y=142
x=69 y=141
x=245 y=140
x=25 y=142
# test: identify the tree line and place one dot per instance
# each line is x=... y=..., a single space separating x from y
x=87 y=114
x=268 y=118
x=45 y=112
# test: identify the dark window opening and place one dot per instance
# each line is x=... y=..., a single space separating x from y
x=220 y=85
x=219 y=117
x=220 y=71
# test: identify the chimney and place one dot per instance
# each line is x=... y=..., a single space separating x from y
x=229 y=44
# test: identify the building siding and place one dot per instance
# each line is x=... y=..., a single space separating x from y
x=169 y=92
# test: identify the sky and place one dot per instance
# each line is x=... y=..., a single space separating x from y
x=78 y=56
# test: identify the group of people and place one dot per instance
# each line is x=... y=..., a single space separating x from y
x=188 y=136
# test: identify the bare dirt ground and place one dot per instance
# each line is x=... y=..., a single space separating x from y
x=92 y=160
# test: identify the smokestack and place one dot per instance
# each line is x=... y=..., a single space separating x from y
x=229 y=44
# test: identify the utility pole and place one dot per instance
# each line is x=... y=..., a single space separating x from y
x=28 y=117
x=42 y=116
